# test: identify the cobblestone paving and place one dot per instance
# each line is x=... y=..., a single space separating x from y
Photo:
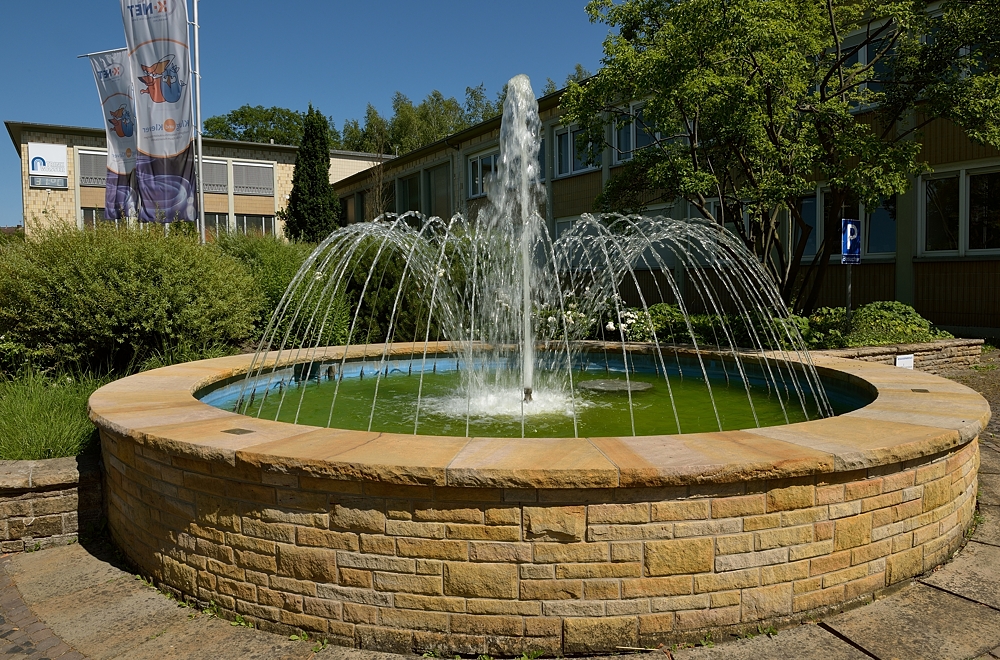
x=22 y=635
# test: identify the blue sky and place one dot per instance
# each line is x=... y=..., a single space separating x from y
x=337 y=55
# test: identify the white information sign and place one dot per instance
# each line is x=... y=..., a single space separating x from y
x=47 y=159
x=905 y=361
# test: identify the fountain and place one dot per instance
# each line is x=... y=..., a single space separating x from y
x=469 y=437
x=514 y=304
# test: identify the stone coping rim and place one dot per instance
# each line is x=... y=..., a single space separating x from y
x=914 y=415
x=48 y=473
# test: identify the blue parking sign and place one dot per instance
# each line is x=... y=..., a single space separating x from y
x=850 y=244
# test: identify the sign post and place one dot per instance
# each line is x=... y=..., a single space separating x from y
x=850 y=252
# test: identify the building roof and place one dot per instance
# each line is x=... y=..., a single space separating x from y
x=15 y=128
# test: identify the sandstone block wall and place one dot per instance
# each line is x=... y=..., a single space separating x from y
x=502 y=571
x=48 y=502
x=932 y=357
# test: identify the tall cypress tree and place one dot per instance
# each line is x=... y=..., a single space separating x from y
x=313 y=207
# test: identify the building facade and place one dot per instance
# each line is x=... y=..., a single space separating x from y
x=936 y=247
x=245 y=185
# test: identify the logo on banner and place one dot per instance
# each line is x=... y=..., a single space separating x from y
x=168 y=126
x=850 y=247
x=146 y=8
x=161 y=81
x=110 y=73
x=121 y=121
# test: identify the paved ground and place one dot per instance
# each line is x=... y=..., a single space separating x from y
x=76 y=602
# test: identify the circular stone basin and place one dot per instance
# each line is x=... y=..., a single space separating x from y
x=615 y=385
x=482 y=545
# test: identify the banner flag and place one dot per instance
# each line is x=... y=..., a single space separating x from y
x=114 y=86
x=156 y=33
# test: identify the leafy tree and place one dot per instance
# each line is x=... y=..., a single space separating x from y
x=579 y=74
x=479 y=108
x=255 y=123
x=412 y=126
x=313 y=207
x=754 y=101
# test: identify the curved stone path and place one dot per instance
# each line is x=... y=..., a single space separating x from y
x=73 y=602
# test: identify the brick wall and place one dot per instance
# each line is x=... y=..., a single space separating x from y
x=48 y=502
x=932 y=357
x=501 y=571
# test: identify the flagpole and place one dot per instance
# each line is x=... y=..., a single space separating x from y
x=102 y=52
x=197 y=112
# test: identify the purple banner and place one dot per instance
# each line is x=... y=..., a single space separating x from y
x=157 y=37
x=114 y=85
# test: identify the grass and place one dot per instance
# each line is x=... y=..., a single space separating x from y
x=45 y=417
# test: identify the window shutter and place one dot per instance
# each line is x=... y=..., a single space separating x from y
x=253 y=180
x=93 y=169
x=216 y=177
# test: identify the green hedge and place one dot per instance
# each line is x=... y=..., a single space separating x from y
x=108 y=300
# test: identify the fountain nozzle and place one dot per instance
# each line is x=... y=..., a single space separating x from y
x=527 y=395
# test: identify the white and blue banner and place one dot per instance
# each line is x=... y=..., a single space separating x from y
x=114 y=86
x=156 y=33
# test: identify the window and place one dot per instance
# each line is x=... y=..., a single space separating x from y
x=216 y=177
x=569 y=157
x=880 y=70
x=255 y=224
x=361 y=205
x=632 y=133
x=984 y=211
x=91 y=218
x=880 y=228
x=253 y=179
x=807 y=209
x=439 y=191
x=623 y=138
x=961 y=212
x=541 y=160
x=93 y=169
x=347 y=209
x=481 y=169
x=941 y=214
x=644 y=133
x=562 y=153
x=409 y=194
x=216 y=223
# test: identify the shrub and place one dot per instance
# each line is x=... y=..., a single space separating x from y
x=45 y=417
x=107 y=300
x=875 y=324
x=271 y=261
x=890 y=322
